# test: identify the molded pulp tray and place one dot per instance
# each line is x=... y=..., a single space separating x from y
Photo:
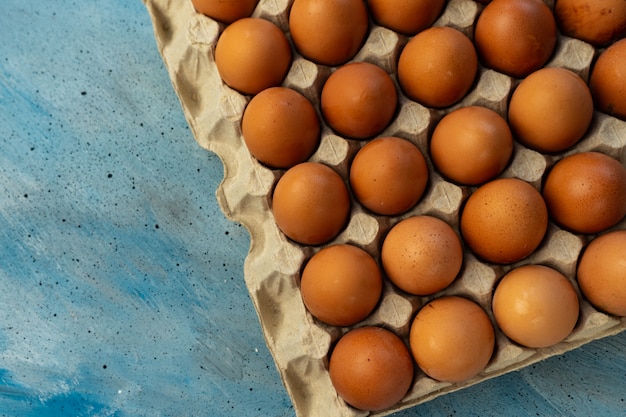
x=299 y=343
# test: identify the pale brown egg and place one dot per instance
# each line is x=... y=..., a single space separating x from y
x=311 y=203
x=437 y=67
x=504 y=220
x=280 y=127
x=608 y=80
x=371 y=368
x=328 y=32
x=471 y=145
x=586 y=192
x=422 y=255
x=406 y=16
x=602 y=272
x=452 y=339
x=515 y=37
x=550 y=110
x=598 y=22
x=252 y=54
x=341 y=285
x=226 y=11
x=359 y=100
x=535 y=306
x=389 y=175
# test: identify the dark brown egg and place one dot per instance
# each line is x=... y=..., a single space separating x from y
x=598 y=22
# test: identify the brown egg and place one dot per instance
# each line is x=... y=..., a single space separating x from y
x=422 y=255
x=608 y=80
x=550 y=110
x=226 y=11
x=359 y=100
x=586 y=192
x=406 y=16
x=311 y=203
x=280 y=127
x=252 y=54
x=535 y=306
x=598 y=22
x=504 y=220
x=471 y=145
x=452 y=339
x=389 y=175
x=341 y=285
x=602 y=272
x=515 y=37
x=328 y=32
x=437 y=67
x=371 y=368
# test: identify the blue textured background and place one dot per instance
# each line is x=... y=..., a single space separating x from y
x=120 y=279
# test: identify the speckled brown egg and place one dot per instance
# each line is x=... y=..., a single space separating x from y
x=471 y=145
x=452 y=339
x=598 y=22
x=602 y=272
x=328 y=32
x=341 y=285
x=535 y=306
x=389 y=175
x=504 y=220
x=311 y=203
x=437 y=67
x=371 y=368
x=515 y=37
x=608 y=80
x=359 y=100
x=422 y=255
x=550 y=110
x=280 y=127
x=586 y=192
x=252 y=54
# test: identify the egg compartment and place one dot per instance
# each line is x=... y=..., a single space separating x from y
x=299 y=343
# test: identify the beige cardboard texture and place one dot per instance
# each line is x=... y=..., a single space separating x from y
x=298 y=343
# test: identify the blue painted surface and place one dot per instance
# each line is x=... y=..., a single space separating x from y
x=120 y=279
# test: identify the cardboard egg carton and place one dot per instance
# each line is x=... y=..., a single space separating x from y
x=300 y=344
